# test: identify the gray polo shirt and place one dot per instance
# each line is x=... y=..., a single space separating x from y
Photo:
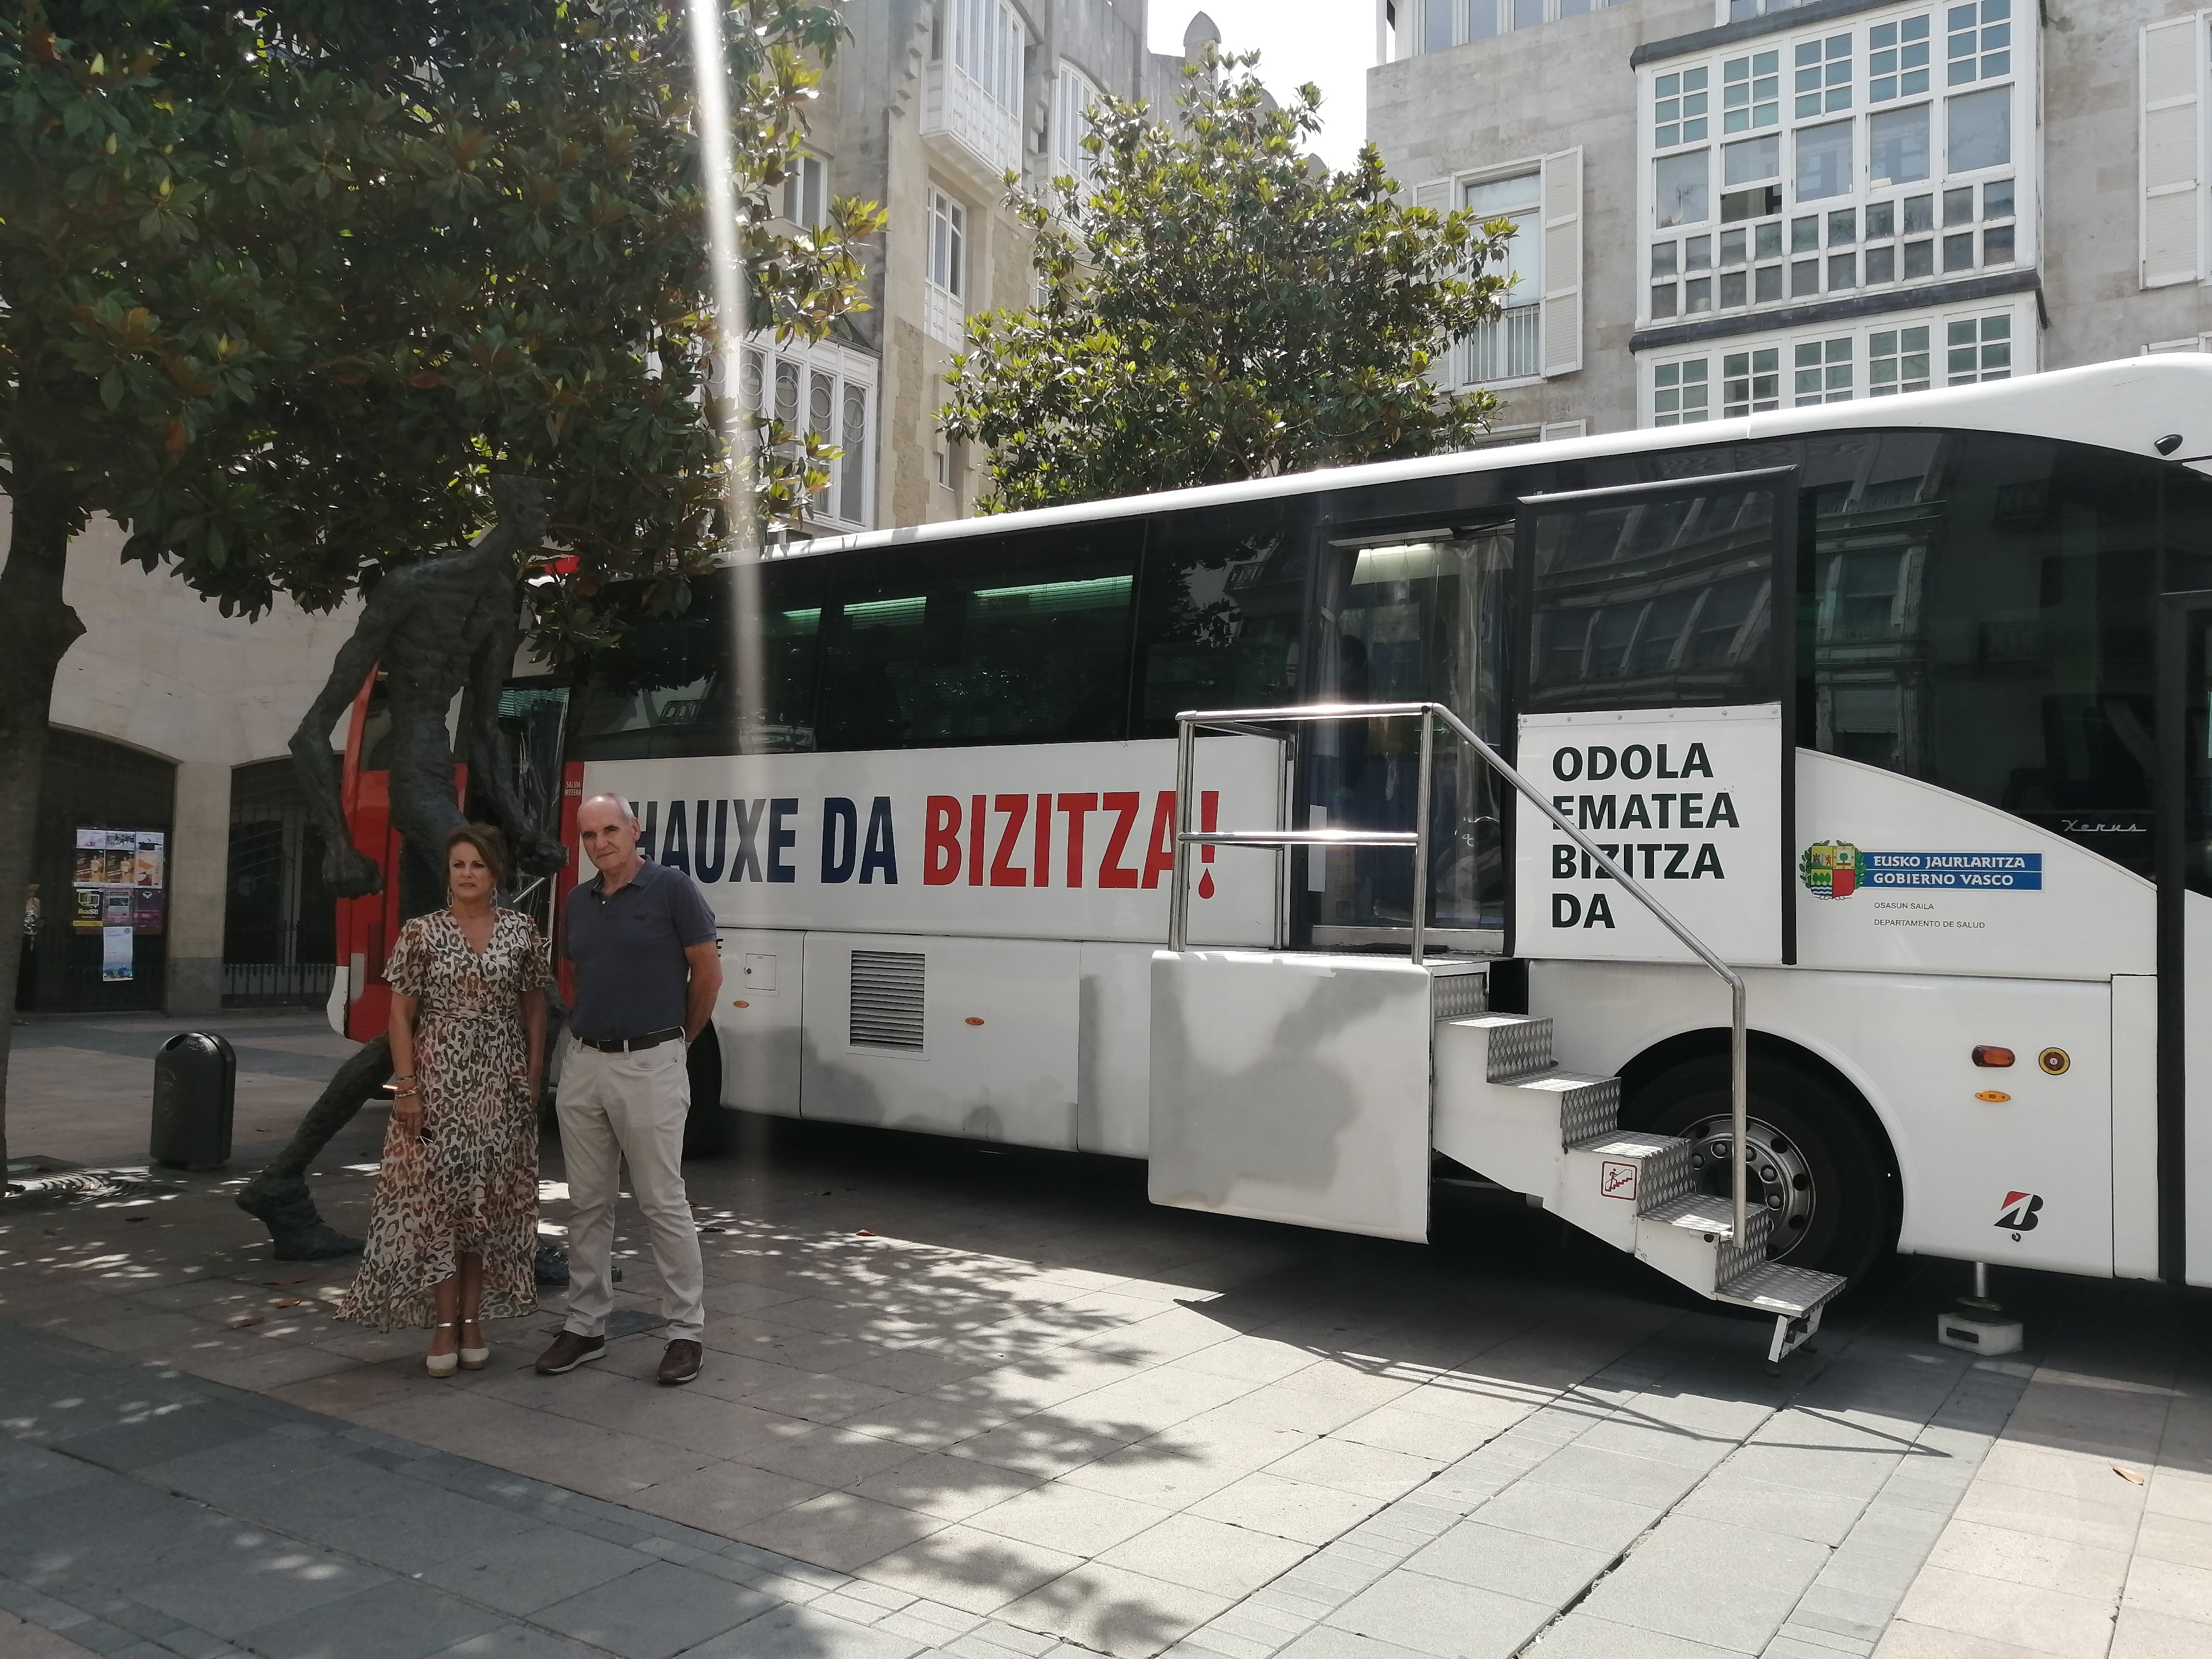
x=627 y=947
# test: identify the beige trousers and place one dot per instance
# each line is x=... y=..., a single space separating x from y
x=627 y=1106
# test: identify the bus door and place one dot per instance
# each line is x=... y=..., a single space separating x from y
x=1655 y=698
x=1411 y=616
x=2184 y=841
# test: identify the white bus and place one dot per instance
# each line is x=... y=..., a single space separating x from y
x=1903 y=709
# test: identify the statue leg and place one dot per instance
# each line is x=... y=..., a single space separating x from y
x=279 y=1197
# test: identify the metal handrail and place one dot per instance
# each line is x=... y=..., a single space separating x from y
x=1256 y=722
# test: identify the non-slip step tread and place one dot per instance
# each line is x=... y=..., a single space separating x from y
x=1775 y=1287
x=1627 y=1143
x=1700 y=1213
x=1556 y=1081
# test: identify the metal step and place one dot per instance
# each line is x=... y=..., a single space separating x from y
x=1775 y=1287
x=1459 y=996
x=1520 y=1046
x=1609 y=1179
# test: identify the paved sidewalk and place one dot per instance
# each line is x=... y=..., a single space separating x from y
x=982 y=1402
x=145 y=1513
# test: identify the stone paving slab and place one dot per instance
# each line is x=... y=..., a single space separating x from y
x=989 y=1404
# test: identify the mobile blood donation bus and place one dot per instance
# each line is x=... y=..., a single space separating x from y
x=1900 y=711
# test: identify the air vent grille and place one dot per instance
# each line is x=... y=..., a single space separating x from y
x=887 y=1000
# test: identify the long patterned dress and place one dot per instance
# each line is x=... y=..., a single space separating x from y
x=469 y=1182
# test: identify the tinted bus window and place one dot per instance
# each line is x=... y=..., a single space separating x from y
x=666 y=687
x=996 y=639
x=1655 y=601
x=1422 y=619
x=1221 y=615
x=1981 y=612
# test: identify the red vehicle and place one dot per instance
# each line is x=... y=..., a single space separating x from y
x=533 y=712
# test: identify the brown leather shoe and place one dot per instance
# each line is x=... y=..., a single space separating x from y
x=569 y=1351
x=681 y=1362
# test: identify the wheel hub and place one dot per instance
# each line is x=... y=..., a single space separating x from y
x=1778 y=1177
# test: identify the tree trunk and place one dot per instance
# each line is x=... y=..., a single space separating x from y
x=37 y=627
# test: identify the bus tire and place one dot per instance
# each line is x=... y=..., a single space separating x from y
x=1837 y=1211
x=710 y=1128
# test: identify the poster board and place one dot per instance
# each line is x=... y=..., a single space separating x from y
x=1690 y=800
x=119 y=878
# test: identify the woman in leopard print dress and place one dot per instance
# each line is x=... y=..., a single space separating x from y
x=453 y=1234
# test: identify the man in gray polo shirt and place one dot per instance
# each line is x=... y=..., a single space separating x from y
x=642 y=940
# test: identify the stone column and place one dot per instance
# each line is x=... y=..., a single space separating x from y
x=199 y=869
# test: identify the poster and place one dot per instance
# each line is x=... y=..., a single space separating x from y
x=120 y=877
x=117 y=946
x=1689 y=801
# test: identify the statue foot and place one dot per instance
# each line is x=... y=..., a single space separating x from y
x=296 y=1228
x=321 y=1243
x=551 y=1266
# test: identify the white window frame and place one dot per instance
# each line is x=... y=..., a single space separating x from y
x=1557 y=220
x=1801 y=272
x=988 y=43
x=1415 y=40
x=947 y=262
x=846 y=372
x=1073 y=93
x=793 y=206
x=2025 y=340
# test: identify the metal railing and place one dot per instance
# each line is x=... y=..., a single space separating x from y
x=1262 y=722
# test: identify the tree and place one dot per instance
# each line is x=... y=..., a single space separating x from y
x=1215 y=304
x=282 y=284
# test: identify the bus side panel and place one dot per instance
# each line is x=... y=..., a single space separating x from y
x=977 y=1039
x=2196 y=1143
x=1114 y=1067
x=761 y=1019
x=2024 y=1181
x=1937 y=883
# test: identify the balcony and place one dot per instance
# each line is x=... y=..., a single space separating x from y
x=972 y=130
x=1509 y=347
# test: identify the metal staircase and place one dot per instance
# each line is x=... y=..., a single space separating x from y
x=1506 y=1111
x=1498 y=1103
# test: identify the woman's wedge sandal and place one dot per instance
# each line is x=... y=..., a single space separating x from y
x=442 y=1365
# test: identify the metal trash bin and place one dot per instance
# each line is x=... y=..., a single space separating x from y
x=195 y=1098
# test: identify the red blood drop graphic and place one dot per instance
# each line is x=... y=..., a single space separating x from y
x=1206 y=884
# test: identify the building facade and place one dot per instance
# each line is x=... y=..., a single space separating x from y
x=1731 y=206
x=926 y=110
x=169 y=730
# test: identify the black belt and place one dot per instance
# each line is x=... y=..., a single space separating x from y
x=621 y=1045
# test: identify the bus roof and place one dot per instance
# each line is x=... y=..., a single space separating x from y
x=2128 y=406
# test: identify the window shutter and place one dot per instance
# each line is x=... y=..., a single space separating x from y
x=1563 y=262
x=1436 y=196
x=1552 y=429
x=2172 y=235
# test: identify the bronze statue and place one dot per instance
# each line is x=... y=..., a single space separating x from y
x=444 y=627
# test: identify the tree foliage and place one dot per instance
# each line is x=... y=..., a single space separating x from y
x=282 y=282
x=1215 y=304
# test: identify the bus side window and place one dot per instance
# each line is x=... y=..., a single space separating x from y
x=1221 y=614
x=1654 y=600
x=1015 y=639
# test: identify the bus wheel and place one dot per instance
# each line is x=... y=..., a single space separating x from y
x=1813 y=1165
x=710 y=1128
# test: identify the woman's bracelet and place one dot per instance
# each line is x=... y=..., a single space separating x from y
x=406 y=1094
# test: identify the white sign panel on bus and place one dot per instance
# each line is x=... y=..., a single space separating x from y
x=1044 y=841
x=1688 y=800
